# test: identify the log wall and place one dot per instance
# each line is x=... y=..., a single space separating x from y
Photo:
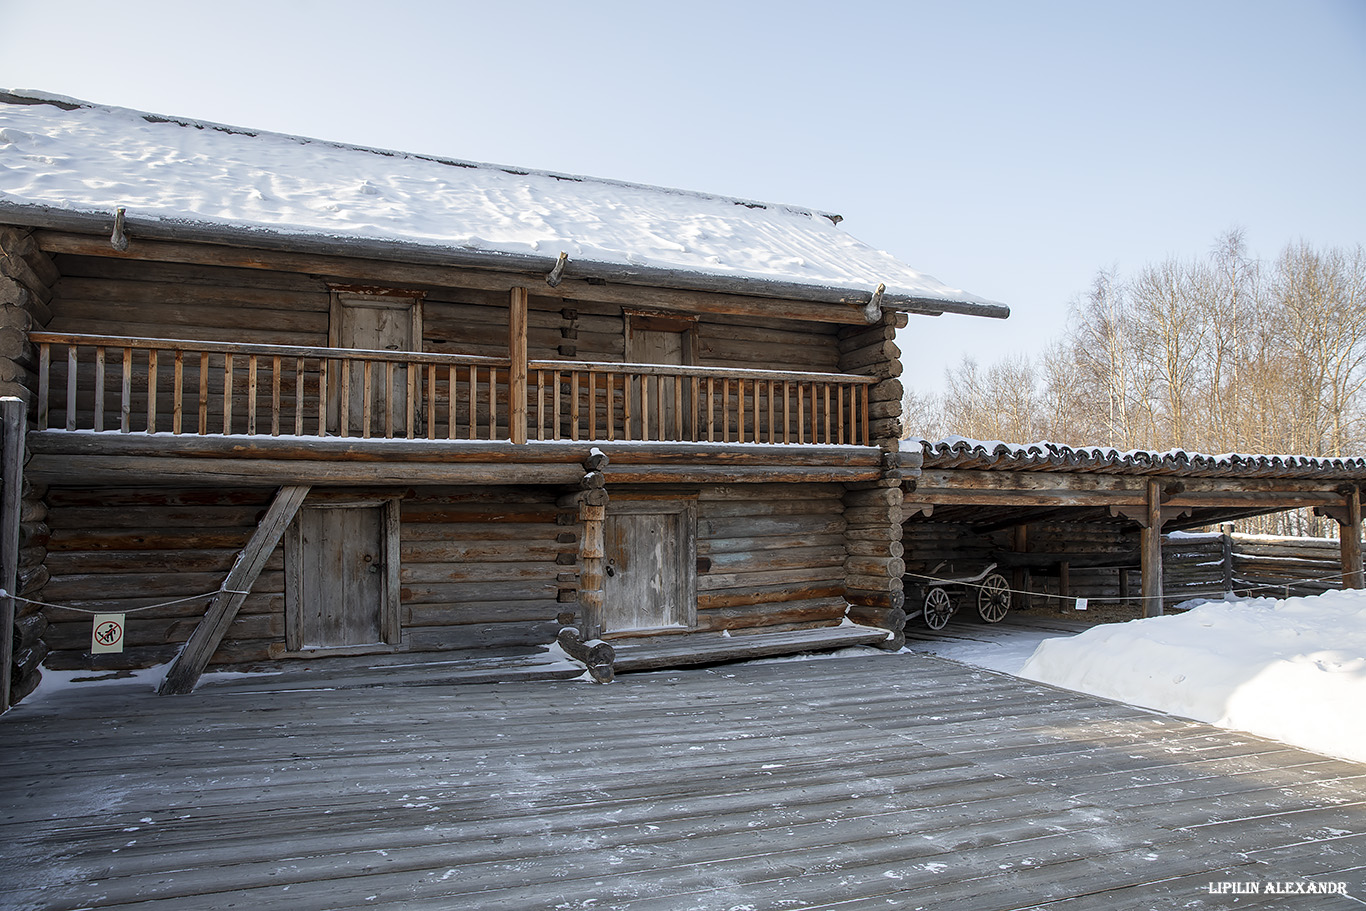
x=874 y=565
x=770 y=556
x=481 y=568
x=26 y=278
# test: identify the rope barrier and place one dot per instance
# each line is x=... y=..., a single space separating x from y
x=1245 y=590
x=128 y=610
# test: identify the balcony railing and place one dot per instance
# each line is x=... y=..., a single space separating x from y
x=142 y=385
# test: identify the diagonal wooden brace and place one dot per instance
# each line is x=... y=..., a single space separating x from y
x=194 y=657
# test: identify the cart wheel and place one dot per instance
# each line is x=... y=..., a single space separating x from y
x=938 y=608
x=993 y=598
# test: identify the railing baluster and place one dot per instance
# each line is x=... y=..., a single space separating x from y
x=126 y=392
x=725 y=410
x=787 y=412
x=71 y=363
x=98 y=423
x=644 y=406
x=474 y=399
x=298 y=397
x=367 y=393
x=863 y=412
x=452 y=393
x=661 y=413
x=740 y=410
x=227 y=394
x=388 y=395
x=839 y=402
x=413 y=376
x=611 y=390
x=626 y=379
x=203 y=393
x=694 y=404
x=711 y=409
x=540 y=404
x=493 y=403
x=275 y=396
x=431 y=402
x=152 y=391
x=178 y=394
x=826 y=387
x=344 y=398
x=44 y=383
x=322 y=396
x=251 y=395
x=574 y=405
x=592 y=405
x=772 y=424
x=555 y=402
x=678 y=407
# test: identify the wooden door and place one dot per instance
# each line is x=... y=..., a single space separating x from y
x=652 y=340
x=373 y=324
x=342 y=577
x=649 y=566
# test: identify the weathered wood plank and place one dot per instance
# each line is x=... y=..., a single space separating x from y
x=190 y=663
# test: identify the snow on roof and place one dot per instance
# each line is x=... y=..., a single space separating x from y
x=960 y=452
x=61 y=156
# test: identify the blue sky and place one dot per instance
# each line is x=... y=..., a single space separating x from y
x=1011 y=149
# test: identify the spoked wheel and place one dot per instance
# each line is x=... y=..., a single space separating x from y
x=938 y=608
x=993 y=598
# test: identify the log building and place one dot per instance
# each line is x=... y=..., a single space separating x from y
x=289 y=400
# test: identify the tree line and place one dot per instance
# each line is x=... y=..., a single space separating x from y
x=1224 y=353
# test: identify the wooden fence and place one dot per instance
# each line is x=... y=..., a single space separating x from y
x=143 y=385
x=1206 y=566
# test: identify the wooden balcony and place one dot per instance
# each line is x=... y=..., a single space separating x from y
x=118 y=385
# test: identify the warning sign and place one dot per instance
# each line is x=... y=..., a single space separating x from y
x=107 y=636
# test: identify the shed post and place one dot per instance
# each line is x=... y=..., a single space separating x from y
x=1151 y=552
x=517 y=328
x=1349 y=537
x=12 y=420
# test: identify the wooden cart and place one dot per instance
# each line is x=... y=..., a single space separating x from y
x=945 y=595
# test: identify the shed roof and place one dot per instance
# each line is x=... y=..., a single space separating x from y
x=957 y=452
x=69 y=163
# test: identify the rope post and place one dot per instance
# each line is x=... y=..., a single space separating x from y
x=12 y=429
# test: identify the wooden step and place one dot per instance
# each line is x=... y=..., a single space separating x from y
x=687 y=649
x=417 y=670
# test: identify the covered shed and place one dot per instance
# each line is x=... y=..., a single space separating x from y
x=1089 y=518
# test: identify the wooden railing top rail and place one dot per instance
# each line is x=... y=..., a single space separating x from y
x=359 y=354
x=703 y=372
x=426 y=357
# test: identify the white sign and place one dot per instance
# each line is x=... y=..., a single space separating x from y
x=107 y=635
x=1081 y=604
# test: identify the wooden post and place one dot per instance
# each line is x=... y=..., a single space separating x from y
x=194 y=657
x=1151 y=550
x=1349 y=536
x=12 y=420
x=517 y=326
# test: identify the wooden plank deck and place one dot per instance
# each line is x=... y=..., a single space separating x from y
x=888 y=781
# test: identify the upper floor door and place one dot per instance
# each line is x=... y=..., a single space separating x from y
x=374 y=322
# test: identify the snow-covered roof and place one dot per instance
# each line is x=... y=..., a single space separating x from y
x=993 y=455
x=65 y=162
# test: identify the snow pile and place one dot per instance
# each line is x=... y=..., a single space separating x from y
x=1293 y=670
x=93 y=158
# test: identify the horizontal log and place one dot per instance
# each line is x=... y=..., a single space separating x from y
x=742 y=526
x=460 y=592
x=768 y=594
x=609 y=289
x=830 y=542
x=761 y=560
x=479 y=636
x=734 y=618
x=477 y=612
x=706 y=474
x=420 y=573
x=712 y=582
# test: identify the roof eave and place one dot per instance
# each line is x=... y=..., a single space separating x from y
x=278 y=239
